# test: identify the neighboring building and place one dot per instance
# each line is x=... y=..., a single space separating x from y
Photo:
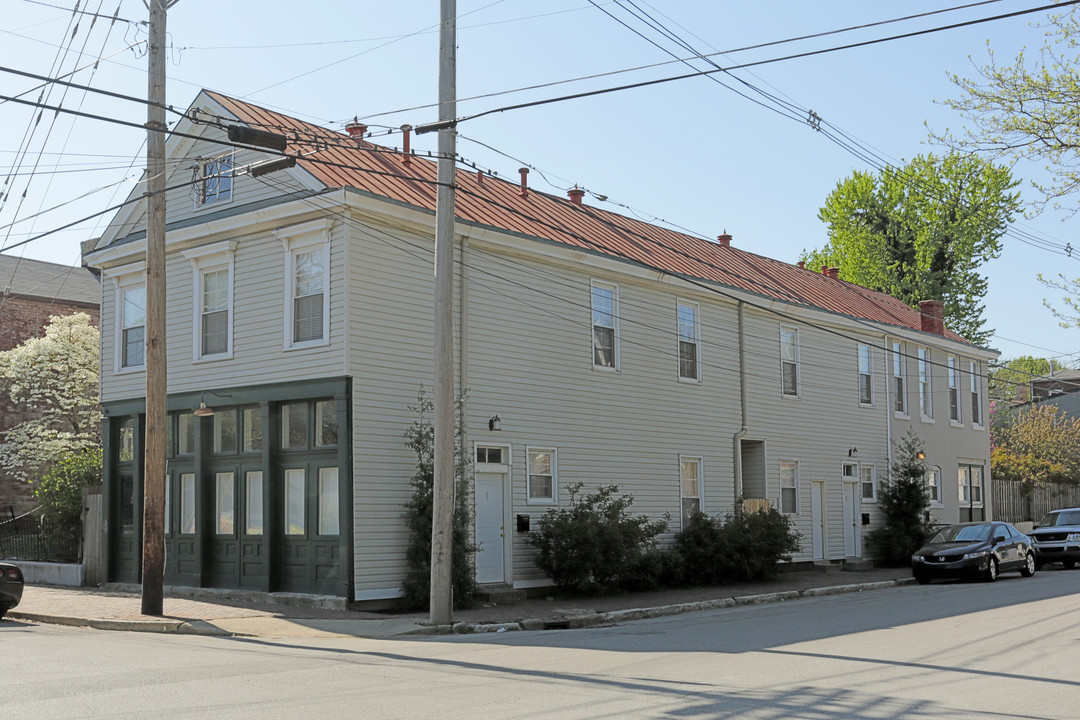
x=1059 y=382
x=686 y=371
x=31 y=291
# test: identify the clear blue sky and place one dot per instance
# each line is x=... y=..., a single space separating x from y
x=691 y=152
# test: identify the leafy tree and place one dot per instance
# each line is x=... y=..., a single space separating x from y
x=1042 y=441
x=60 y=490
x=922 y=232
x=55 y=376
x=1069 y=315
x=1009 y=378
x=903 y=499
x=1027 y=109
x=419 y=510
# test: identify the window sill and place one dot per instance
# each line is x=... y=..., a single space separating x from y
x=211 y=358
x=605 y=369
x=689 y=381
x=131 y=370
x=980 y=428
x=540 y=501
x=901 y=415
x=788 y=396
x=956 y=424
x=306 y=345
x=928 y=420
x=868 y=405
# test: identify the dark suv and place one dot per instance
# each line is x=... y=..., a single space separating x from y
x=1057 y=538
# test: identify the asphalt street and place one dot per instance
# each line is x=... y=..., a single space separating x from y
x=954 y=650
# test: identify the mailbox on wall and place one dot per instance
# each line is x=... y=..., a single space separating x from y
x=866 y=518
x=523 y=523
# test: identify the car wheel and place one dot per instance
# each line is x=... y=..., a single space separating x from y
x=991 y=570
x=1029 y=566
x=1068 y=564
x=922 y=578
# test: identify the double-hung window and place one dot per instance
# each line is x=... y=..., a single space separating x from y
x=789 y=487
x=954 y=389
x=213 y=283
x=969 y=485
x=605 y=325
x=307 y=284
x=789 y=361
x=868 y=481
x=542 y=477
x=866 y=375
x=689 y=345
x=690 y=487
x=933 y=485
x=976 y=393
x=898 y=378
x=214 y=180
x=133 y=326
x=926 y=398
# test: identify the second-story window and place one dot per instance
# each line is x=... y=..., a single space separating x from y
x=605 y=313
x=689 y=348
x=789 y=361
x=926 y=399
x=214 y=180
x=866 y=375
x=954 y=389
x=898 y=374
x=976 y=393
x=133 y=327
x=214 y=314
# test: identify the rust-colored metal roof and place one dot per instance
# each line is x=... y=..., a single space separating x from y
x=344 y=162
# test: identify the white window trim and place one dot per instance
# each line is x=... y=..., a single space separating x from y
x=975 y=388
x=869 y=371
x=503 y=467
x=928 y=362
x=614 y=288
x=529 y=499
x=209 y=258
x=936 y=503
x=199 y=168
x=954 y=381
x=798 y=365
x=700 y=481
x=898 y=353
x=873 y=483
x=780 y=483
x=294 y=240
x=679 y=303
x=124 y=278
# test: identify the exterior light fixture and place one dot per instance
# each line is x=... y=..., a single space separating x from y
x=202 y=410
x=920 y=455
x=853 y=453
x=495 y=424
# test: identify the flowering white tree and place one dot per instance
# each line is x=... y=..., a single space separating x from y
x=56 y=378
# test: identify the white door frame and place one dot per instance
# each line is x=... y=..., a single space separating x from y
x=504 y=470
x=851 y=519
x=818 y=524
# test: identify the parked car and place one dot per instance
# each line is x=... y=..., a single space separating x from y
x=11 y=587
x=982 y=549
x=1057 y=538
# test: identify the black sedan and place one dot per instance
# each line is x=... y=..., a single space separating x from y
x=11 y=587
x=982 y=550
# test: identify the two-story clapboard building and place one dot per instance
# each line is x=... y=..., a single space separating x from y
x=595 y=348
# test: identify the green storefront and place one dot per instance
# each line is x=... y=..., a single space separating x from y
x=258 y=488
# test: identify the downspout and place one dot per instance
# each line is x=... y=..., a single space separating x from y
x=463 y=335
x=736 y=440
x=888 y=403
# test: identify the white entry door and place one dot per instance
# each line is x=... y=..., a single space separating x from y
x=817 y=517
x=851 y=519
x=490 y=528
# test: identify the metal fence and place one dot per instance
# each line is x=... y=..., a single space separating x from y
x=35 y=538
x=1019 y=502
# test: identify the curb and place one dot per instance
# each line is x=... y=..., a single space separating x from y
x=617 y=616
x=164 y=625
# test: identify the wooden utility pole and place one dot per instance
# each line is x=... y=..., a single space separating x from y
x=153 y=552
x=442 y=526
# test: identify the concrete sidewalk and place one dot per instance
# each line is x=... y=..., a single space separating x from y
x=279 y=616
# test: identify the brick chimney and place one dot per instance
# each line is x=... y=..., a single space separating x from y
x=724 y=239
x=356 y=129
x=931 y=316
x=833 y=272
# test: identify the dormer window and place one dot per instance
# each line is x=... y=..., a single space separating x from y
x=213 y=181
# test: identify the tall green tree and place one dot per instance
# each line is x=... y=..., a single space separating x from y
x=56 y=377
x=1039 y=444
x=922 y=232
x=1009 y=377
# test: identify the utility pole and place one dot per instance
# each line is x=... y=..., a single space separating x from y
x=442 y=531
x=153 y=554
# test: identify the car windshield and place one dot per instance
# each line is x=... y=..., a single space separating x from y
x=1056 y=519
x=962 y=533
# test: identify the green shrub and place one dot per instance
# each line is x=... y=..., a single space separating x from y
x=595 y=544
x=419 y=510
x=60 y=490
x=735 y=547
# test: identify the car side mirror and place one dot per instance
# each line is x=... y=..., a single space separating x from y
x=1034 y=527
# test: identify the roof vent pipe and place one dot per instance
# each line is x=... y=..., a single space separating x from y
x=480 y=177
x=356 y=129
x=524 y=182
x=406 y=135
x=801 y=264
x=834 y=273
x=824 y=269
x=575 y=194
x=724 y=239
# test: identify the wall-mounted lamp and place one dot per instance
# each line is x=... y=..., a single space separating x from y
x=853 y=453
x=495 y=424
x=920 y=455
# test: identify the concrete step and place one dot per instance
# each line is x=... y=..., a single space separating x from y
x=858 y=564
x=500 y=594
x=825 y=566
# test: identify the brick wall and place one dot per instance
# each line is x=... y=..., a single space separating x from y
x=20 y=320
